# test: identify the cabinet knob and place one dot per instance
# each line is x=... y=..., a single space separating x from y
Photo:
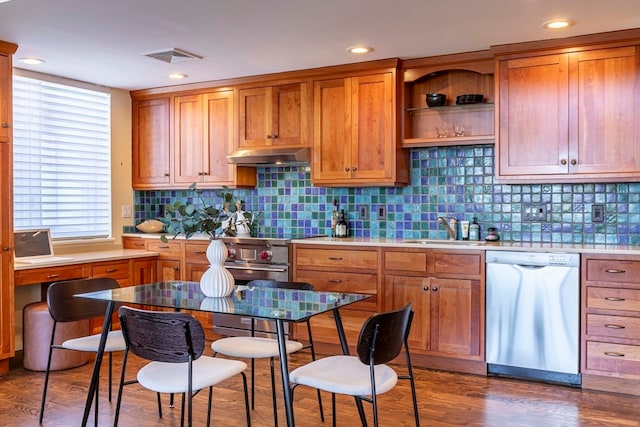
x=354 y=168
x=425 y=288
x=574 y=162
x=563 y=161
x=347 y=169
x=434 y=289
x=5 y=125
x=274 y=136
x=268 y=136
x=6 y=248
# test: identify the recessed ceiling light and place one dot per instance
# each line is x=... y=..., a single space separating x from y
x=359 y=49
x=557 y=24
x=31 y=61
x=178 y=76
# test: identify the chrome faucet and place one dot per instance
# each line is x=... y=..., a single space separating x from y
x=449 y=226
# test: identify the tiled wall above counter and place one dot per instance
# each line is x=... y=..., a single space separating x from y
x=445 y=181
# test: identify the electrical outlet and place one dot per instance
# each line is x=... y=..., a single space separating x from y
x=534 y=212
x=382 y=212
x=597 y=212
x=363 y=210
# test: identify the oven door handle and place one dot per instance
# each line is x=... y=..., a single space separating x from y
x=235 y=267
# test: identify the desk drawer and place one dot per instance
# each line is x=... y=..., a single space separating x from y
x=613 y=358
x=118 y=270
x=613 y=298
x=613 y=326
x=50 y=274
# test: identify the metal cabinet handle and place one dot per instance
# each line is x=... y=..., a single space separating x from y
x=138 y=244
x=334 y=281
x=574 y=162
x=434 y=289
x=347 y=169
x=614 y=326
x=52 y=276
x=614 y=299
x=425 y=288
x=199 y=252
x=354 y=168
x=335 y=258
x=167 y=174
x=613 y=354
x=112 y=270
x=563 y=161
x=5 y=125
x=6 y=248
x=163 y=247
x=614 y=271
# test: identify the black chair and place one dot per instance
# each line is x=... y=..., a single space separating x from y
x=381 y=340
x=64 y=307
x=252 y=347
x=174 y=343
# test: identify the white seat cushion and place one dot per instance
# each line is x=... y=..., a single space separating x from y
x=166 y=377
x=115 y=342
x=252 y=347
x=344 y=375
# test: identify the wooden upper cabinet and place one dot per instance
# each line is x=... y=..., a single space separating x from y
x=203 y=136
x=273 y=116
x=355 y=134
x=151 y=143
x=570 y=115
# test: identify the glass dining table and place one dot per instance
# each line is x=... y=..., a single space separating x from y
x=279 y=305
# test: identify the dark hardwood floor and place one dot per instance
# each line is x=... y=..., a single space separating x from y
x=445 y=399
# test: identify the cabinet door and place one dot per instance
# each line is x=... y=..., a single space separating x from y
x=168 y=269
x=151 y=142
x=289 y=109
x=332 y=130
x=604 y=94
x=144 y=271
x=533 y=116
x=372 y=128
x=417 y=291
x=455 y=317
x=219 y=138
x=188 y=139
x=5 y=98
x=254 y=117
x=7 y=303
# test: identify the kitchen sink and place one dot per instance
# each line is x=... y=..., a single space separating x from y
x=445 y=242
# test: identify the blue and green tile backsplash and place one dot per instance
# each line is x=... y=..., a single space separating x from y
x=445 y=181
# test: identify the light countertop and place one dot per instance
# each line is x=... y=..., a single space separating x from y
x=86 y=257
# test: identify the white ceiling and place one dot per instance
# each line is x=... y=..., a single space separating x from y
x=103 y=41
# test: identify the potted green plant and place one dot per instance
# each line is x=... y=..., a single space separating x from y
x=189 y=218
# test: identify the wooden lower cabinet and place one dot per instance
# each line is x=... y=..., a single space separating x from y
x=611 y=323
x=447 y=331
x=339 y=269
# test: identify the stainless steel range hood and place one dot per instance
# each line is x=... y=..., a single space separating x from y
x=270 y=156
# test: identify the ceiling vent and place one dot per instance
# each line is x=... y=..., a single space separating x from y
x=173 y=56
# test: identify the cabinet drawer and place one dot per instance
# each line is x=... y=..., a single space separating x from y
x=613 y=271
x=406 y=261
x=454 y=262
x=613 y=326
x=613 y=358
x=51 y=274
x=165 y=250
x=613 y=298
x=337 y=258
x=133 y=243
x=196 y=253
x=116 y=270
x=339 y=281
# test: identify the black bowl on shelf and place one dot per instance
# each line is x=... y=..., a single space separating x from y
x=436 y=99
x=469 y=99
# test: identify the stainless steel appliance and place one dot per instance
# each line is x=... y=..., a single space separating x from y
x=251 y=259
x=532 y=318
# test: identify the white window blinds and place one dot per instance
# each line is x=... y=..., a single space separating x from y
x=61 y=158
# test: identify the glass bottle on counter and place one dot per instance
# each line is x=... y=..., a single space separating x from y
x=341 y=225
x=334 y=218
x=474 y=230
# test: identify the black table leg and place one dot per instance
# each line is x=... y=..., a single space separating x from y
x=345 y=350
x=284 y=367
x=106 y=326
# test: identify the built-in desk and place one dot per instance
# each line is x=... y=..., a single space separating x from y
x=127 y=266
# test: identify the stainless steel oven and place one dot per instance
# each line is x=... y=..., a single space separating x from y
x=254 y=259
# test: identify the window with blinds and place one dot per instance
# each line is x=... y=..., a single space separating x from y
x=61 y=158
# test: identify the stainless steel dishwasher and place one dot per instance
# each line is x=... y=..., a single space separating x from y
x=532 y=315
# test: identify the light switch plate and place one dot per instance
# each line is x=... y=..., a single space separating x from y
x=597 y=212
x=363 y=211
x=534 y=212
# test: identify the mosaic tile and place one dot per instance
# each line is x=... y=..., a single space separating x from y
x=445 y=181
